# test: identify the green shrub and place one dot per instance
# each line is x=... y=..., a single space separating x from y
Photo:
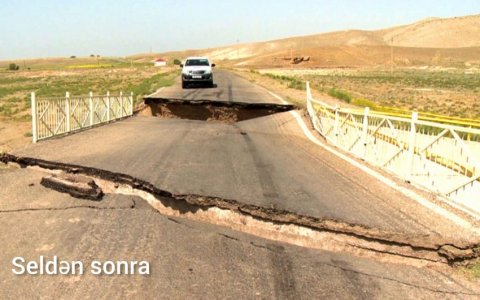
x=176 y=62
x=344 y=96
x=297 y=84
x=13 y=67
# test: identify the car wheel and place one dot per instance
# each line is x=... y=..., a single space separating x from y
x=184 y=85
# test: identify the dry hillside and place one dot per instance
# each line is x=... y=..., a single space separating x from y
x=436 y=33
x=453 y=42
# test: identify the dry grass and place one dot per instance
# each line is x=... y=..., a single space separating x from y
x=15 y=87
x=292 y=90
x=54 y=77
x=445 y=91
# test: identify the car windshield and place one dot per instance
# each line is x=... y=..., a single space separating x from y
x=197 y=62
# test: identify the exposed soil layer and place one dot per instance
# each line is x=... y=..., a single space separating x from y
x=207 y=110
x=356 y=238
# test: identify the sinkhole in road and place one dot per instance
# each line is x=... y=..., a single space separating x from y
x=269 y=223
x=208 y=110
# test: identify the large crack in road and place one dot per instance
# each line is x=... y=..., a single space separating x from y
x=208 y=110
x=271 y=223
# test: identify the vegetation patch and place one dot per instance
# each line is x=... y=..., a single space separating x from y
x=291 y=82
x=15 y=87
x=473 y=270
x=450 y=92
x=341 y=95
x=152 y=84
x=13 y=67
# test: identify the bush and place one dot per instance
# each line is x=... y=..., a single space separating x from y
x=296 y=84
x=176 y=61
x=340 y=95
x=73 y=56
x=13 y=67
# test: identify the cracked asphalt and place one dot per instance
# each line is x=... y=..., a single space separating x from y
x=188 y=259
x=265 y=161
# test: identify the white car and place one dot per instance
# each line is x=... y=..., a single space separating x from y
x=197 y=70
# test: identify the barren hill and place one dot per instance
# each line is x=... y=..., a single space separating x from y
x=436 y=33
x=445 y=42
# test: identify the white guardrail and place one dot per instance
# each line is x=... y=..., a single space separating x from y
x=443 y=158
x=61 y=115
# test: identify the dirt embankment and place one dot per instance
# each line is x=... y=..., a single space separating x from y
x=14 y=135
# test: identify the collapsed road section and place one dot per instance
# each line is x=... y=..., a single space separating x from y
x=208 y=110
x=270 y=223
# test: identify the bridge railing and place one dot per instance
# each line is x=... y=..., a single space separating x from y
x=443 y=158
x=56 y=116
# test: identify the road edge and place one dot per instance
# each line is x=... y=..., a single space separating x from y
x=405 y=191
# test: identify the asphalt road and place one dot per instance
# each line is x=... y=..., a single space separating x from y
x=187 y=259
x=265 y=161
x=227 y=87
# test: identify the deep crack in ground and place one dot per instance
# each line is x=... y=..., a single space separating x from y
x=275 y=224
x=207 y=110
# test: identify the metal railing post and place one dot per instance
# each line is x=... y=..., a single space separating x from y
x=309 y=97
x=411 y=146
x=108 y=106
x=34 y=117
x=67 y=110
x=90 y=105
x=131 y=103
x=335 y=124
x=122 y=106
x=310 y=110
x=365 y=132
x=309 y=91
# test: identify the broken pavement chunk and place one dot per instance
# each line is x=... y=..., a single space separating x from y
x=77 y=186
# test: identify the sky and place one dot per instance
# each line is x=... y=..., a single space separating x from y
x=59 y=28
